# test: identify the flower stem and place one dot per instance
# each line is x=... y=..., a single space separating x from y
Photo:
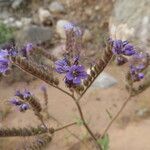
x=117 y=115
x=66 y=126
x=85 y=124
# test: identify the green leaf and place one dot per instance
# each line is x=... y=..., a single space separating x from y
x=104 y=142
x=109 y=114
x=79 y=121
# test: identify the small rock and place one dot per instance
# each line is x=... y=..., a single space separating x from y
x=16 y=4
x=9 y=21
x=97 y=7
x=60 y=28
x=132 y=23
x=26 y=21
x=5 y=3
x=56 y=7
x=104 y=80
x=45 y=16
x=18 y=24
x=4 y=14
x=87 y=36
x=34 y=34
x=88 y=11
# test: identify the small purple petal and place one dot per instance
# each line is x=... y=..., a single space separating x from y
x=61 y=66
x=29 y=47
x=141 y=75
x=69 y=76
x=69 y=26
x=77 y=80
x=15 y=101
x=125 y=43
x=24 y=107
x=3 y=53
x=26 y=94
x=4 y=65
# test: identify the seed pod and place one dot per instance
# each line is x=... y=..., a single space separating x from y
x=39 y=143
x=96 y=68
x=33 y=101
x=86 y=82
x=92 y=73
x=56 y=81
x=80 y=88
x=89 y=78
x=9 y=132
x=46 y=54
x=34 y=69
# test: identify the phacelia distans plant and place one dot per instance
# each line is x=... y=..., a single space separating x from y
x=75 y=78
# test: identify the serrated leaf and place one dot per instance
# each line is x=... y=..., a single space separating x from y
x=104 y=142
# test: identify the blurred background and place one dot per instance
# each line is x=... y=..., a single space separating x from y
x=41 y=22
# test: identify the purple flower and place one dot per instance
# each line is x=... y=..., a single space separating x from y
x=62 y=66
x=120 y=60
x=15 y=101
x=69 y=26
x=129 y=50
x=18 y=93
x=26 y=94
x=43 y=88
x=136 y=73
x=125 y=43
x=75 y=74
x=29 y=47
x=4 y=65
x=76 y=60
x=24 y=107
x=123 y=47
x=117 y=47
x=3 y=54
x=141 y=75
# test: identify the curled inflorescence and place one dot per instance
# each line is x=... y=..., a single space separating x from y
x=31 y=131
x=26 y=96
x=39 y=143
x=126 y=52
x=74 y=73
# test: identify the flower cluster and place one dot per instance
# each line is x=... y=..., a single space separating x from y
x=22 y=106
x=137 y=64
x=123 y=49
x=25 y=94
x=71 y=27
x=27 y=49
x=4 y=61
x=74 y=73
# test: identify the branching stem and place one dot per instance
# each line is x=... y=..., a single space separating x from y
x=66 y=126
x=85 y=124
x=117 y=115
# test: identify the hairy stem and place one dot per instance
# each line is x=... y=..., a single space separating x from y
x=40 y=117
x=85 y=124
x=94 y=79
x=66 y=126
x=117 y=115
x=17 y=65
